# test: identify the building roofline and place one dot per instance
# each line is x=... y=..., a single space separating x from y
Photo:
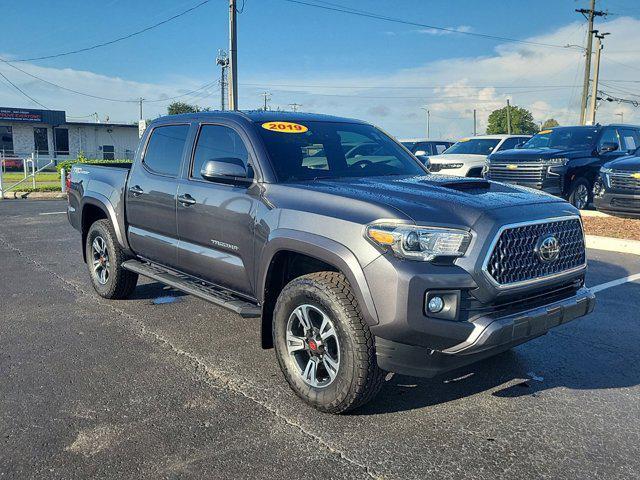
x=94 y=124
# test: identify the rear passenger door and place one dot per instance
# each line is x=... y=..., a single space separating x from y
x=151 y=194
x=216 y=226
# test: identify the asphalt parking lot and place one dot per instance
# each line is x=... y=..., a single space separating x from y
x=177 y=388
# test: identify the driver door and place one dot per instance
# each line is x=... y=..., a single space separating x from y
x=216 y=220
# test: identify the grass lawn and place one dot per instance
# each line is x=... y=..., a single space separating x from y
x=44 y=179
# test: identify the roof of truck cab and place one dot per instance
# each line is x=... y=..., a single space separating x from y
x=259 y=116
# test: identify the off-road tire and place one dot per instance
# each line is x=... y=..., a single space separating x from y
x=120 y=283
x=359 y=378
x=574 y=195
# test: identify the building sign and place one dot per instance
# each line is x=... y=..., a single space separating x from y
x=50 y=117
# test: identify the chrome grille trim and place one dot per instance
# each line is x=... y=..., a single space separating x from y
x=624 y=180
x=531 y=281
x=529 y=172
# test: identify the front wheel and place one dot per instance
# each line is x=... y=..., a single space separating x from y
x=104 y=257
x=581 y=193
x=325 y=349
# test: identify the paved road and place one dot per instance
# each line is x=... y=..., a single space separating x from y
x=133 y=389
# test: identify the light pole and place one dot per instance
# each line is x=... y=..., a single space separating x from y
x=428 y=121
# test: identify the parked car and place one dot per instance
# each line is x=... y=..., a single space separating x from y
x=617 y=190
x=11 y=162
x=564 y=161
x=355 y=266
x=423 y=147
x=467 y=157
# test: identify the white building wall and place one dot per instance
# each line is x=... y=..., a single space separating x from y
x=88 y=138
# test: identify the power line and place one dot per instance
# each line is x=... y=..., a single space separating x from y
x=362 y=13
x=400 y=87
x=115 y=40
x=23 y=92
x=98 y=97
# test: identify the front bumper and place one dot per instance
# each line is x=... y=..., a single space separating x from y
x=489 y=337
x=624 y=204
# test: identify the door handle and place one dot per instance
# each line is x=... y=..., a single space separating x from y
x=186 y=200
x=136 y=190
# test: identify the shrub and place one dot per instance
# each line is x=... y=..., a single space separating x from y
x=67 y=164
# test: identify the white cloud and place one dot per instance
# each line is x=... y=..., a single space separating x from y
x=545 y=80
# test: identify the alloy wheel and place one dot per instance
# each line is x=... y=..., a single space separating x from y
x=100 y=260
x=313 y=345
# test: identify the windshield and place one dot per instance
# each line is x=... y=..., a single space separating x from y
x=473 y=146
x=564 y=138
x=409 y=145
x=335 y=150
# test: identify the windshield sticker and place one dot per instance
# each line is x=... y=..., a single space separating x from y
x=544 y=132
x=285 y=127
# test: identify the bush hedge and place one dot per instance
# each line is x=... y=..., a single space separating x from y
x=67 y=164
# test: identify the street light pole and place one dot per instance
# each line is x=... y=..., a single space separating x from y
x=596 y=76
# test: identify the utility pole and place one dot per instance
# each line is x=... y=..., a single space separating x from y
x=475 y=131
x=223 y=61
x=295 y=106
x=621 y=115
x=508 y=118
x=266 y=96
x=233 y=57
x=589 y=14
x=142 y=124
x=596 y=76
x=428 y=121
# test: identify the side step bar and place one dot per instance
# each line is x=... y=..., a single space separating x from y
x=195 y=287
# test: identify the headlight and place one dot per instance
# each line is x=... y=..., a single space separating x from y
x=419 y=243
x=604 y=173
x=554 y=162
x=605 y=170
x=444 y=166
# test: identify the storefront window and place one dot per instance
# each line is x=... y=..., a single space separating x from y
x=62 y=141
x=6 y=140
x=41 y=140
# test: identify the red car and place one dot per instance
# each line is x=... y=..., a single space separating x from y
x=12 y=163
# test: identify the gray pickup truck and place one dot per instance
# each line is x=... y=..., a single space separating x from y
x=354 y=258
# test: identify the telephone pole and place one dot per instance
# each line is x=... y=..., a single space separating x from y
x=475 y=131
x=508 y=118
x=589 y=14
x=428 y=121
x=233 y=57
x=223 y=61
x=266 y=96
x=596 y=76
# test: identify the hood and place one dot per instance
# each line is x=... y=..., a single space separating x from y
x=528 y=154
x=430 y=198
x=630 y=164
x=456 y=157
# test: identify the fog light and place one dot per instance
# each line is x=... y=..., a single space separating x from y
x=435 y=305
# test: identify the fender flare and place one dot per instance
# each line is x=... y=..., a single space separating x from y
x=327 y=250
x=98 y=200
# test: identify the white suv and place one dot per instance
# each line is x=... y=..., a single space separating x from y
x=467 y=157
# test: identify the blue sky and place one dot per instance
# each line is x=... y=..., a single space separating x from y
x=322 y=59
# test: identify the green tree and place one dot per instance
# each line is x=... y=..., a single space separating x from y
x=551 y=123
x=176 y=108
x=521 y=121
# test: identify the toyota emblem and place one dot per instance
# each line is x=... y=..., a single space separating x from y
x=548 y=248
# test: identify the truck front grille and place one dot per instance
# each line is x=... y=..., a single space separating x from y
x=514 y=258
x=621 y=180
x=529 y=173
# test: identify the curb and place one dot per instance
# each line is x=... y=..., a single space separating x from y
x=34 y=195
x=593 y=213
x=613 y=244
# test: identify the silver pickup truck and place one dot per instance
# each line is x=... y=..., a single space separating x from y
x=355 y=259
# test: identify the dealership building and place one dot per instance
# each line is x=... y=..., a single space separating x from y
x=51 y=138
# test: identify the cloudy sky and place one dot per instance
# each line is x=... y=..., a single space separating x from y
x=383 y=71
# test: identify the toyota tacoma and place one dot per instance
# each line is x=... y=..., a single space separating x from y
x=355 y=264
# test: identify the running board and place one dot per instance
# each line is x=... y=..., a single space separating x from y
x=195 y=287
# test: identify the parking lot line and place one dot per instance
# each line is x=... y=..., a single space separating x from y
x=52 y=213
x=615 y=283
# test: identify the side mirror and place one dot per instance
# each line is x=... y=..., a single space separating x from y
x=230 y=170
x=425 y=161
x=420 y=153
x=520 y=145
x=607 y=147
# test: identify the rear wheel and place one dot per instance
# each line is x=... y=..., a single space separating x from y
x=581 y=193
x=325 y=349
x=104 y=257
